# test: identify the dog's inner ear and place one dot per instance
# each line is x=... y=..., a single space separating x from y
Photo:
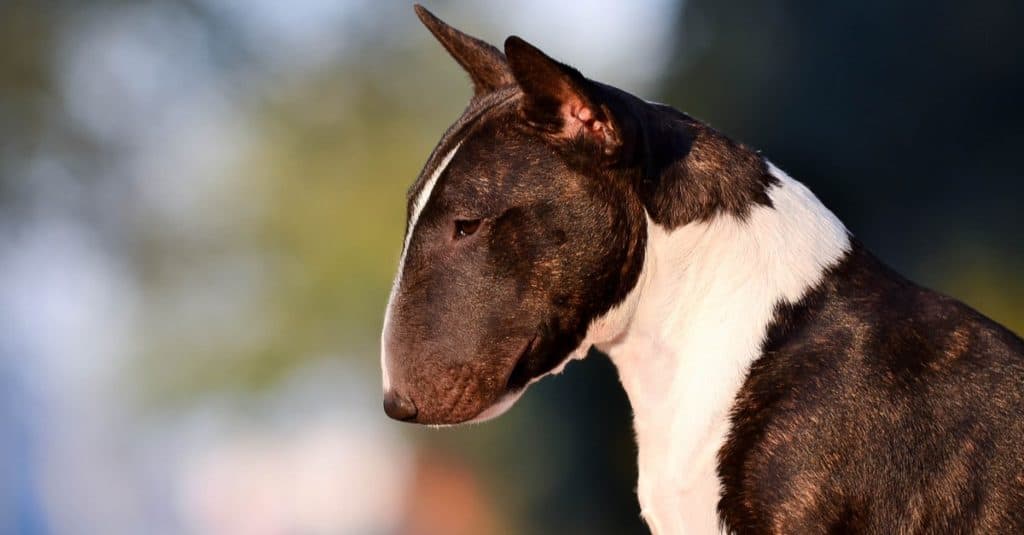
x=559 y=101
x=485 y=64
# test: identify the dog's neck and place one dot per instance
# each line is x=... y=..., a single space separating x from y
x=685 y=336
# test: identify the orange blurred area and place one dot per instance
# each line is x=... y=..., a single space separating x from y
x=446 y=497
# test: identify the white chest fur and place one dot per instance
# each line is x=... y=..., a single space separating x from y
x=685 y=337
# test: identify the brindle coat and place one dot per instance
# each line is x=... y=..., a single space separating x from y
x=875 y=406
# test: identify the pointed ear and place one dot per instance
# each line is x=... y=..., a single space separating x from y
x=559 y=101
x=485 y=64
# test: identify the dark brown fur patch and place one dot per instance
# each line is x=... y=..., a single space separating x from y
x=695 y=173
x=878 y=407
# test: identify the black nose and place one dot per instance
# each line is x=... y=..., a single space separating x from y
x=398 y=407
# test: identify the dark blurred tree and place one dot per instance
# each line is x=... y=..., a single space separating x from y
x=906 y=117
x=26 y=34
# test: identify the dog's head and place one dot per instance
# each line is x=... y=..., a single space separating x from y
x=522 y=229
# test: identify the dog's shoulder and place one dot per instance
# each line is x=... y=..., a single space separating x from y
x=873 y=393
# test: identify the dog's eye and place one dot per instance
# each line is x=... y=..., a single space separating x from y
x=466 y=227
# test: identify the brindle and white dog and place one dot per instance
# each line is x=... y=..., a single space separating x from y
x=783 y=380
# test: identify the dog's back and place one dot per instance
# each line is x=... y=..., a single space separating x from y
x=878 y=406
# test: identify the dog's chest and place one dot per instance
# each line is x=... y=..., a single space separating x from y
x=678 y=496
x=709 y=294
x=678 y=485
x=681 y=384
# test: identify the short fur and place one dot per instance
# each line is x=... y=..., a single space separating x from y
x=878 y=406
x=783 y=380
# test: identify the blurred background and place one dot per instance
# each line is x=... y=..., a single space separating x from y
x=202 y=206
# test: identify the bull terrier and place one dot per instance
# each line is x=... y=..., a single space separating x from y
x=782 y=379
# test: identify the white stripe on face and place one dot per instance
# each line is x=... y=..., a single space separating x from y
x=418 y=204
